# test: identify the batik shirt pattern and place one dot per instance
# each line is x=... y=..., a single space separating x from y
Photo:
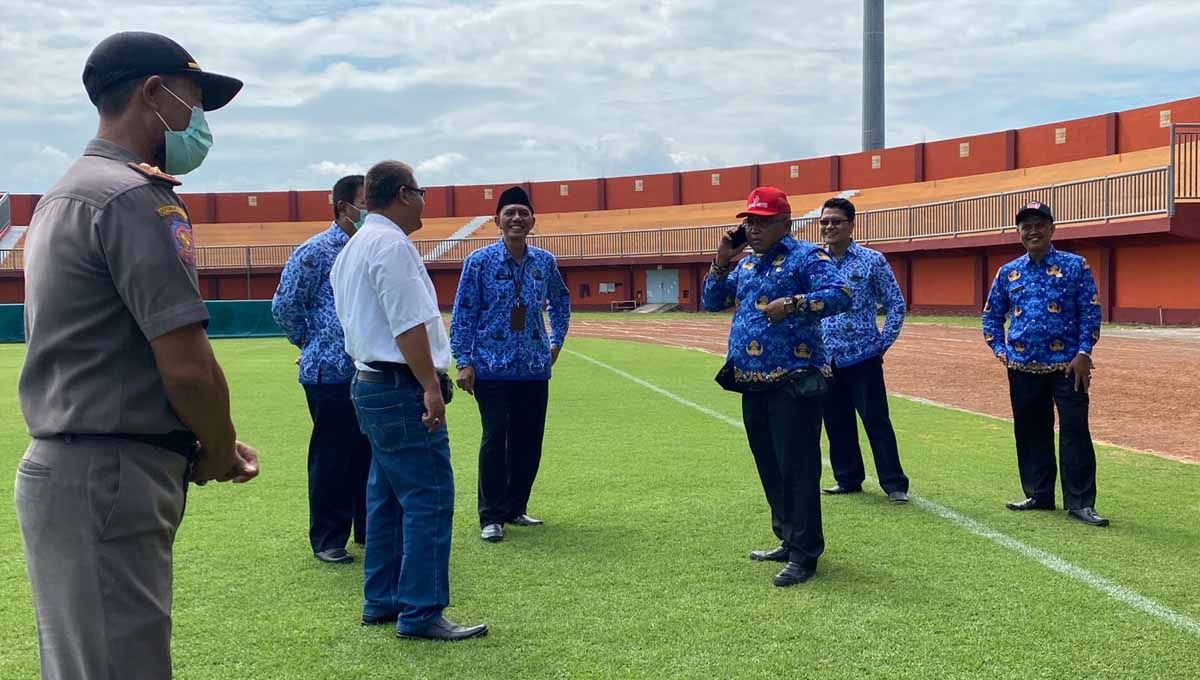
x=481 y=335
x=1052 y=309
x=762 y=351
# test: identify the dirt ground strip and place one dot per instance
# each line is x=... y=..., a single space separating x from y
x=1143 y=389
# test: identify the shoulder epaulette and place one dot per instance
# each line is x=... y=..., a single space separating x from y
x=154 y=173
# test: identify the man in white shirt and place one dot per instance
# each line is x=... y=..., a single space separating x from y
x=388 y=309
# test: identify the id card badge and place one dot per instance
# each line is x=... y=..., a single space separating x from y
x=516 y=318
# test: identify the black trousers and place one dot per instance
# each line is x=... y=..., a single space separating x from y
x=785 y=437
x=339 y=460
x=513 y=413
x=1034 y=397
x=859 y=388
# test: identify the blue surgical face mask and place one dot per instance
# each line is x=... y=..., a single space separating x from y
x=186 y=149
x=362 y=217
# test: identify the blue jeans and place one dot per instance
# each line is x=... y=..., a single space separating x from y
x=410 y=506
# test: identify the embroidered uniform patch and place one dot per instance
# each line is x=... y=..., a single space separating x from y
x=181 y=232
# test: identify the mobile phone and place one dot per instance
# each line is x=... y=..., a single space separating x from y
x=737 y=237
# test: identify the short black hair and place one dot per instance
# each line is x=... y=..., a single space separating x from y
x=383 y=183
x=842 y=204
x=345 y=191
x=113 y=101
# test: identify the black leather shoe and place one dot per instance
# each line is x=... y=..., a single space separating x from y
x=335 y=556
x=898 y=497
x=792 y=574
x=492 y=533
x=838 y=490
x=445 y=630
x=1088 y=516
x=525 y=521
x=378 y=620
x=779 y=554
x=1030 y=504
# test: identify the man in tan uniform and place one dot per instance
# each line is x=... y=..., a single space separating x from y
x=120 y=390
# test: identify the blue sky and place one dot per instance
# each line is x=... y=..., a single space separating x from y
x=473 y=92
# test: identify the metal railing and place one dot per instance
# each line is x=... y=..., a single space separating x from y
x=1100 y=199
x=1185 y=163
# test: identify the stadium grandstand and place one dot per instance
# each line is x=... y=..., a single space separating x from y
x=1123 y=185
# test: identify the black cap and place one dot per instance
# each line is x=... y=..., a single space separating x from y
x=513 y=196
x=134 y=54
x=1034 y=208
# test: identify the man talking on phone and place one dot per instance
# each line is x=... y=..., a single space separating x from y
x=778 y=362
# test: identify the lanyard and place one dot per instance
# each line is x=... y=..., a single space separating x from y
x=518 y=277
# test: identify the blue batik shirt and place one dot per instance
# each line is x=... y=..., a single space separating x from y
x=481 y=335
x=303 y=308
x=853 y=336
x=762 y=351
x=1052 y=308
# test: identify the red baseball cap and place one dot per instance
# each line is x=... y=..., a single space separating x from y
x=766 y=201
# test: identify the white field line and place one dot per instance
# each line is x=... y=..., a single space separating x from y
x=1052 y=562
x=931 y=402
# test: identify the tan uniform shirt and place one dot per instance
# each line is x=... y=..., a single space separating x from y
x=109 y=266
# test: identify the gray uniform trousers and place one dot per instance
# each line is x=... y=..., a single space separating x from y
x=98 y=518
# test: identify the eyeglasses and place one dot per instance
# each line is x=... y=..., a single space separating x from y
x=831 y=222
x=416 y=191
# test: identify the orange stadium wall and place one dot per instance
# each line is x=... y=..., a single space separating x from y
x=902 y=270
x=731 y=184
x=21 y=207
x=439 y=202
x=234 y=285
x=581 y=195
x=585 y=279
x=12 y=287
x=996 y=152
x=314 y=206
x=1085 y=138
x=812 y=176
x=621 y=193
x=901 y=165
x=199 y=207
x=946 y=284
x=473 y=200
x=269 y=206
x=1157 y=279
x=445 y=281
x=1148 y=127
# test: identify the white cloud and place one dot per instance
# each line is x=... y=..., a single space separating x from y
x=430 y=169
x=528 y=89
x=55 y=157
x=331 y=169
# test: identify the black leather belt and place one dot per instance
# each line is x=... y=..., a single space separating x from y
x=182 y=442
x=388 y=373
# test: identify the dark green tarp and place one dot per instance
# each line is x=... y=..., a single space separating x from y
x=227 y=319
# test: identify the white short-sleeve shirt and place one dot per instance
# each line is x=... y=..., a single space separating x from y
x=381 y=289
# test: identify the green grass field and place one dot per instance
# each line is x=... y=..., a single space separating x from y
x=642 y=569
